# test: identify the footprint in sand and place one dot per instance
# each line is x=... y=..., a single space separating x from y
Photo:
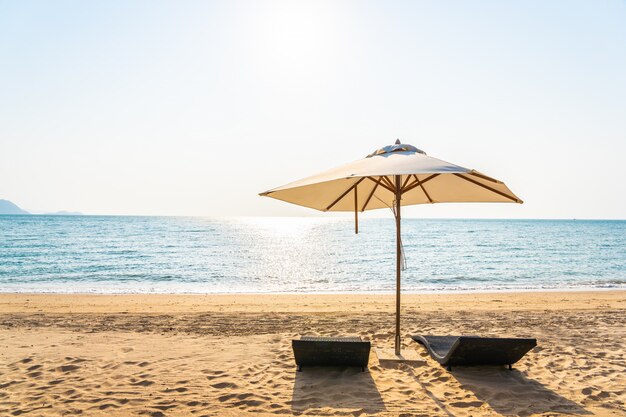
x=143 y=383
x=8 y=384
x=248 y=403
x=108 y=405
x=68 y=368
x=179 y=389
x=164 y=406
x=602 y=395
x=222 y=385
x=226 y=397
x=216 y=374
x=55 y=382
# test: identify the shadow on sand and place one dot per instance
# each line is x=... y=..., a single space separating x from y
x=512 y=393
x=336 y=388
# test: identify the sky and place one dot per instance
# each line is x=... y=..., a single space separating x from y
x=194 y=107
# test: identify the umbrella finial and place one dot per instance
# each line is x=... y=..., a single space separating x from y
x=397 y=147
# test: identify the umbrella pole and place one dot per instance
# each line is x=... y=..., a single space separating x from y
x=356 y=212
x=398 y=261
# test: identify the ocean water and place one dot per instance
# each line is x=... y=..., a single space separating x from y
x=118 y=254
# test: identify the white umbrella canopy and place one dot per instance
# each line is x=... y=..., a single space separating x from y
x=393 y=176
x=424 y=180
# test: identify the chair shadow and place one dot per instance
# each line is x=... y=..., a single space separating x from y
x=510 y=392
x=336 y=388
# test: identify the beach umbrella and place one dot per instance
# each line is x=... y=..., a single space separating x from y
x=391 y=177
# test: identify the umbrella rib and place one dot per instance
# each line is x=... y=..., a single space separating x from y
x=344 y=194
x=484 y=177
x=408 y=177
x=404 y=188
x=430 y=200
x=493 y=190
x=372 y=193
x=416 y=183
x=382 y=183
x=409 y=187
x=391 y=185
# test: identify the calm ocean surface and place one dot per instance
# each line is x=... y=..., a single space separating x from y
x=111 y=254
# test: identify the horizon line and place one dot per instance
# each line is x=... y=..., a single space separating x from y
x=53 y=214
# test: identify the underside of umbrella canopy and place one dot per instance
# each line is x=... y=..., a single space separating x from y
x=369 y=183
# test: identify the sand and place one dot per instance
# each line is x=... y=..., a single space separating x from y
x=228 y=355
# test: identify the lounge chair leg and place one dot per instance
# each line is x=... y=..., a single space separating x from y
x=299 y=368
x=362 y=368
x=510 y=367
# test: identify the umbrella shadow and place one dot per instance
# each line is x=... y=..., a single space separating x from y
x=512 y=393
x=336 y=388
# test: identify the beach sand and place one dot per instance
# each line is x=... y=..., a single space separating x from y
x=228 y=355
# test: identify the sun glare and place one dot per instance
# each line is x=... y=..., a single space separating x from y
x=282 y=226
x=294 y=33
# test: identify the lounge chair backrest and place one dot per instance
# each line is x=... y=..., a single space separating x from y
x=469 y=350
x=328 y=351
x=474 y=350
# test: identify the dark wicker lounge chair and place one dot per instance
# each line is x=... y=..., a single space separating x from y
x=331 y=351
x=472 y=350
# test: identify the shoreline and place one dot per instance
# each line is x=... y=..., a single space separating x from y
x=389 y=292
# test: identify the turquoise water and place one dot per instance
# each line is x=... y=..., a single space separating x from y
x=117 y=254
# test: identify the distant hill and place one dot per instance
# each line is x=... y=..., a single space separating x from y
x=65 y=213
x=6 y=207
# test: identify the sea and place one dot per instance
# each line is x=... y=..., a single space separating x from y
x=135 y=254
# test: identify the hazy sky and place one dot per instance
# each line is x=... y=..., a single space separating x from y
x=192 y=108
